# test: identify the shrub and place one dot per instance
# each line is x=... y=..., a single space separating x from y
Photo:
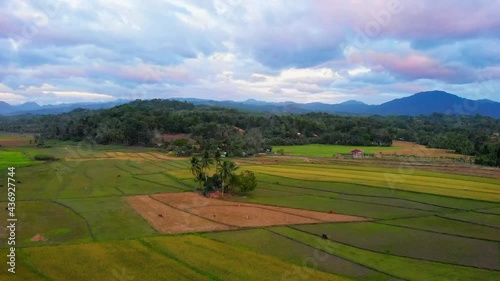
x=246 y=182
x=44 y=157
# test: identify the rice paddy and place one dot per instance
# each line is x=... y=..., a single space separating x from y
x=74 y=216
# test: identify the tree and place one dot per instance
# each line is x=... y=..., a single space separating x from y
x=196 y=168
x=206 y=162
x=201 y=179
x=246 y=181
x=226 y=172
x=217 y=159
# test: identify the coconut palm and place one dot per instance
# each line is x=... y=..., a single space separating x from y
x=206 y=162
x=196 y=168
x=200 y=178
x=226 y=172
x=217 y=159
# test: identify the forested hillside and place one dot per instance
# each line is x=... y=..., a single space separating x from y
x=143 y=123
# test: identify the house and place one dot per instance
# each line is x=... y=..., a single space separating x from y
x=356 y=153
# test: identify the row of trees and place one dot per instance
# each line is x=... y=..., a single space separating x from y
x=224 y=178
x=243 y=133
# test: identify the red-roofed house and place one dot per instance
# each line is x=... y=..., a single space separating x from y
x=356 y=153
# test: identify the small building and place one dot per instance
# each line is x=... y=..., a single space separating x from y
x=357 y=153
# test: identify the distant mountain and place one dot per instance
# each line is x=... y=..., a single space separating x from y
x=5 y=108
x=423 y=103
x=28 y=106
x=36 y=109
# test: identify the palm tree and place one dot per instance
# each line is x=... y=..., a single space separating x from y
x=226 y=172
x=206 y=162
x=200 y=178
x=196 y=168
x=217 y=159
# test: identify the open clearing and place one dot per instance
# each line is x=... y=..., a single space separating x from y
x=190 y=212
x=15 y=139
x=400 y=148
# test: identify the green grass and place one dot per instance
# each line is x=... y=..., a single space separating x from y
x=271 y=244
x=272 y=189
x=110 y=218
x=13 y=159
x=478 y=218
x=422 y=184
x=231 y=263
x=494 y=211
x=95 y=178
x=301 y=187
x=404 y=168
x=124 y=260
x=323 y=204
x=411 y=243
x=405 y=268
x=437 y=224
x=92 y=192
x=327 y=150
x=54 y=222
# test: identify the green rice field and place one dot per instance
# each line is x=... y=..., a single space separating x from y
x=422 y=225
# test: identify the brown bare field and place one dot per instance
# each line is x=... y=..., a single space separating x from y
x=13 y=139
x=191 y=212
x=413 y=149
x=139 y=157
x=169 y=220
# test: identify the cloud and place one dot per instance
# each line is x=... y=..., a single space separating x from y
x=324 y=50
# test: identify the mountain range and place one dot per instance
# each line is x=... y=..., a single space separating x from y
x=423 y=103
x=34 y=108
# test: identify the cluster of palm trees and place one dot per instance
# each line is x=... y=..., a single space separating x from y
x=224 y=169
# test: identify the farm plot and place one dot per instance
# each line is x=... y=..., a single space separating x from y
x=488 y=220
x=46 y=223
x=272 y=244
x=189 y=212
x=448 y=187
x=398 y=148
x=220 y=259
x=326 y=150
x=398 y=267
x=13 y=159
x=110 y=218
x=324 y=204
x=493 y=211
x=452 y=227
x=402 y=168
x=67 y=180
x=486 y=185
x=268 y=189
x=320 y=187
x=412 y=243
x=166 y=219
x=94 y=178
x=14 y=139
x=124 y=260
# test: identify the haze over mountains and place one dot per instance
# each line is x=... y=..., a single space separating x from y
x=423 y=103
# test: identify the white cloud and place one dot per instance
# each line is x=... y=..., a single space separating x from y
x=12 y=98
x=358 y=71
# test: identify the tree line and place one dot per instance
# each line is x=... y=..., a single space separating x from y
x=240 y=133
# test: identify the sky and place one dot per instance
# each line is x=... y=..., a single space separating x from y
x=59 y=51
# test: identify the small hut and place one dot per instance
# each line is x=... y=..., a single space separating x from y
x=357 y=153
